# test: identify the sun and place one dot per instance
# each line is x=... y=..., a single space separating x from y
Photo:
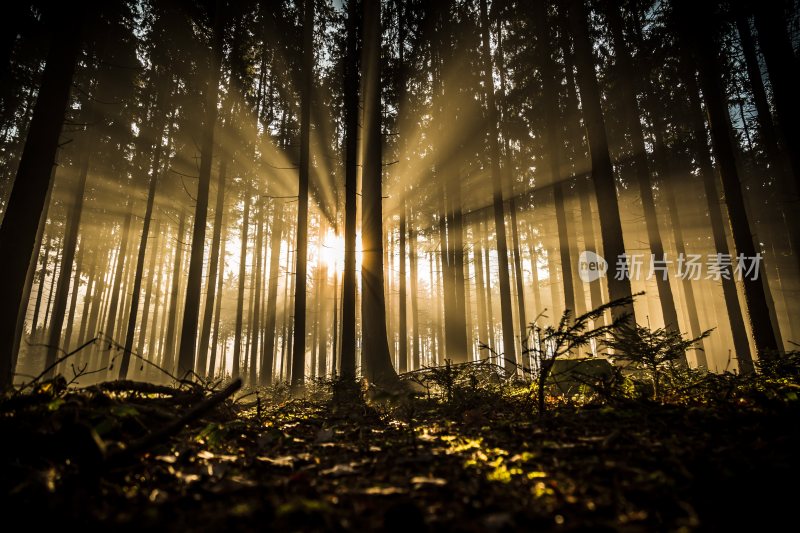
x=331 y=251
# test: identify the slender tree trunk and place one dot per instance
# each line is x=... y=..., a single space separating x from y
x=483 y=328
x=584 y=189
x=347 y=367
x=213 y=265
x=27 y=200
x=783 y=68
x=412 y=237
x=169 y=342
x=137 y=279
x=237 y=341
x=301 y=266
x=256 y=320
x=268 y=356
x=217 y=312
x=194 y=280
x=73 y=295
x=509 y=349
x=719 y=125
x=152 y=292
x=631 y=115
x=111 y=316
x=490 y=321
x=91 y=284
x=602 y=169
x=40 y=289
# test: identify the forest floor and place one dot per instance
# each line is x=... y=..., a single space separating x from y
x=133 y=456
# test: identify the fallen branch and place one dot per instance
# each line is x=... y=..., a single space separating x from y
x=155 y=438
x=141 y=387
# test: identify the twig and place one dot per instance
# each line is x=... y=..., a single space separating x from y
x=57 y=361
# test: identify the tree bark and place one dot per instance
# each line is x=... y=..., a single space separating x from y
x=27 y=200
x=506 y=314
x=213 y=265
x=347 y=367
x=602 y=168
x=375 y=350
x=194 y=280
x=301 y=258
x=703 y=46
x=237 y=340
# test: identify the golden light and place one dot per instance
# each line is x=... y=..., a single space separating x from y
x=331 y=251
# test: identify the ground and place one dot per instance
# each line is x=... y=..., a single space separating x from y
x=99 y=457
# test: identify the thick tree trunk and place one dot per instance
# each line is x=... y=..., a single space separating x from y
x=783 y=68
x=27 y=200
x=376 y=359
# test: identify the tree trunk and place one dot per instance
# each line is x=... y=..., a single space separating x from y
x=506 y=314
x=111 y=316
x=268 y=355
x=256 y=319
x=22 y=315
x=412 y=237
x=194 y=280
x=719 y=124
x=347 y=365
x=376 y=359
x=631 y=115
x=27 y=200
x=213 y=265
x=169 y=342
x=218 y=307
x=301 y=258
x=137 y=279
x=602 y=169
x=783 y=68
x=237 y=340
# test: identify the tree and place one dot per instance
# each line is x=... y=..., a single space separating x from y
x=509 y=348
x=25 y=205
x=375 y=352
x=696 y=22
x=188 y=342
x=301 y=259
x=619 y=288
x=350 y=84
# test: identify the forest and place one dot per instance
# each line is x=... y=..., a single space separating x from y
x=473 y=265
